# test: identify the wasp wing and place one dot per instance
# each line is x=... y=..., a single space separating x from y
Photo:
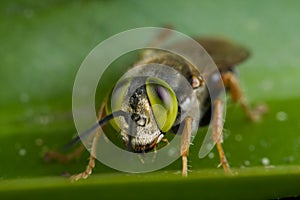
x=225 y=53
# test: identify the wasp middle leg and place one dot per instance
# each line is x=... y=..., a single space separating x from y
x=91 y=165
x=217 y=130
x=185 y=144
x=232 y=83
x=76 y=153
x=64 y=158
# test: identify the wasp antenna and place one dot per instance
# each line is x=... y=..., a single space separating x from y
x=93 y=128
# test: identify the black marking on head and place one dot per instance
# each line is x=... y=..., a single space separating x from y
x=135 y=117
x=134 y=99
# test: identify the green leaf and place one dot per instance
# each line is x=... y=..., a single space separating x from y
x=42 y=46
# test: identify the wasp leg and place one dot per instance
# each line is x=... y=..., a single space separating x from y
x=64 y=158
x=88 y=171
x=141 y=158
x=217 y=129
x=162 y=36
x=159 y=39
x=236 y=93
x=185 y=144
x=165 y=140
x=154 y=153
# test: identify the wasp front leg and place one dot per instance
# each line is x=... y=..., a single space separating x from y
x=232 y=83
x=185 y=144
x=65 y=158
x=88 y=171
x=217 y=130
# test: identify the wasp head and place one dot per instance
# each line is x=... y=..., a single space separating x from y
x=152 y=110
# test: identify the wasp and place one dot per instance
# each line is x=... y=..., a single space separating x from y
x=147 y=123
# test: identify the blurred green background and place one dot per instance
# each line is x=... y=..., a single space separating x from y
x=42 y=46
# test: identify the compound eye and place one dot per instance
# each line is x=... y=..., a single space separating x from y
x=115 y=100
x=163 y=103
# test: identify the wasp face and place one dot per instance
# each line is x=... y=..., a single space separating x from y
x=142 y=132
x=151 y=107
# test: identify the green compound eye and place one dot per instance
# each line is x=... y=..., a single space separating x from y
x=119 y=94
x=163 y=102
